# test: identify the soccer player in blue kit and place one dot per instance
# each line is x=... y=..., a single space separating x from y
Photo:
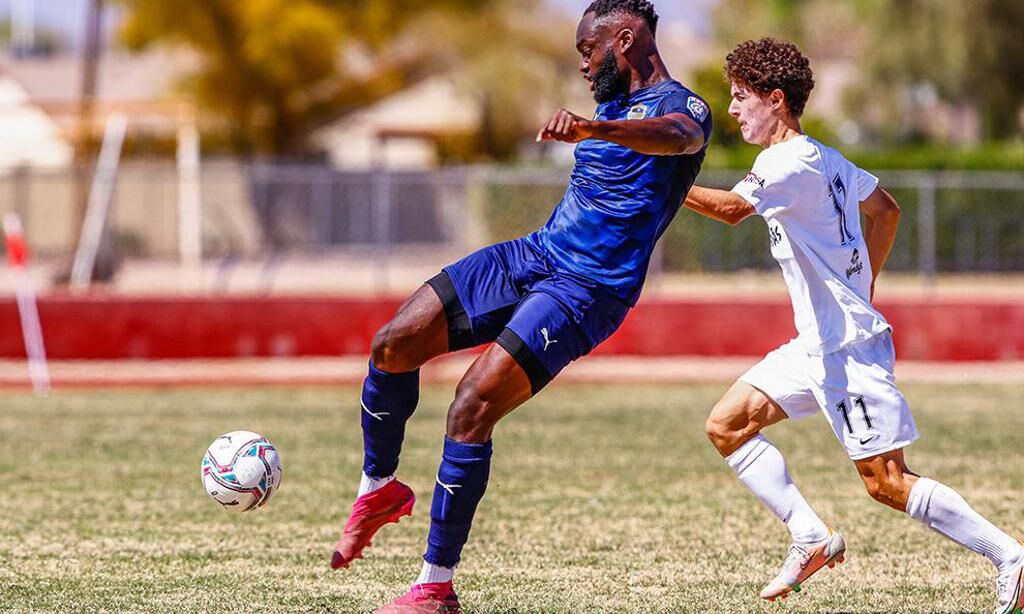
x=544 y=300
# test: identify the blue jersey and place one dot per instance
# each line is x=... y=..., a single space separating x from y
x=619 y=202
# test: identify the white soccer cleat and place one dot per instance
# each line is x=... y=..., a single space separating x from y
x=1010 y=590
x=802 y=562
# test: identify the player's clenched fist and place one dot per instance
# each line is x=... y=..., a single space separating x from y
x=565 y=127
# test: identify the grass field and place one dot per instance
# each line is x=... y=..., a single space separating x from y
x=602 y=499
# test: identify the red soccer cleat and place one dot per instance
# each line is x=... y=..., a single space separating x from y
x=435 y=598
x=369 y=513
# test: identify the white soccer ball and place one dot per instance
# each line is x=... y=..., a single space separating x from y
x=241 y=470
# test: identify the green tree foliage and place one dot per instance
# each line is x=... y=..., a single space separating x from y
x=514 y=70
x=740 y=20
x=824 y=29
x=911 y=53
x=709 y=80
x=968 y=54
x=273 y=72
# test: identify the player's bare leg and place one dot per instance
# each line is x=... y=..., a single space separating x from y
x=734 y=428
x=739 y=416
x=492 y=387
x=417 y=333
x=940 y=508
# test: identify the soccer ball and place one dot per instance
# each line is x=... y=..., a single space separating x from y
x=241 y=470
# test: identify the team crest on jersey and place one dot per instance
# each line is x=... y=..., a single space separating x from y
x=639 y=111
x=698 y=107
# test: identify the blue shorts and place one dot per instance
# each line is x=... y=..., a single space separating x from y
x=508 y=293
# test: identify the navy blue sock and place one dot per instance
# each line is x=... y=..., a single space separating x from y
x=388 y=400
x=461 y=482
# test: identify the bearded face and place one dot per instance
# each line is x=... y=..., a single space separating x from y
x=609 y=84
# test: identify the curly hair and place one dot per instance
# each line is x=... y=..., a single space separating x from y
x=766 y=65
x=640 y=8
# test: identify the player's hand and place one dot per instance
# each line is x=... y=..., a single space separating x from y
x=565 y=127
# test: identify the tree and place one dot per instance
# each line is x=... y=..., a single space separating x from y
x=778 y=18
x=514 y=70
x=967 y=54
x=910 y=54
x=824 y=29
x=273 y=72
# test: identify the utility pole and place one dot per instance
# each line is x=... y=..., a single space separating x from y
x=86 y=112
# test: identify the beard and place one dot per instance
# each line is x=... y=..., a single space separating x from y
x=608 y=83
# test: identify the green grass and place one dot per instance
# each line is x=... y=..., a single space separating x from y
x=602 y=499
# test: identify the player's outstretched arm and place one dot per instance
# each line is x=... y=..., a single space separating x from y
x=674 y=134
x=720 y=205
x=882 y=219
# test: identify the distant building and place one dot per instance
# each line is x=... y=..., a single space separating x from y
x=139 y=86
x=401 y=131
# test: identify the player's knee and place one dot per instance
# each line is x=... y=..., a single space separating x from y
x=886 y=490
x=717 y=432
x=469 y=416
x=382 y=349
x=722 y=433
x=390 y=349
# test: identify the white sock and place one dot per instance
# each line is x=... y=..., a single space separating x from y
x=944 y=511
x=760 y=466
x=431 y=574
x=368 y=484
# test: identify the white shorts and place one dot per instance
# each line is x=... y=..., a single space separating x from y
x=855 y=386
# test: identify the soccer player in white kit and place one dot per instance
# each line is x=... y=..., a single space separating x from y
x=841 y=363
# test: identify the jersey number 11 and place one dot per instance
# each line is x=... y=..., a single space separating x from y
x=845 y=410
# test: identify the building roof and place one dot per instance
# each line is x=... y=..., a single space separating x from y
x=141 y=86
x=122 y=78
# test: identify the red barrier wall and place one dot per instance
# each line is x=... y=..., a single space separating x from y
x=121 y=327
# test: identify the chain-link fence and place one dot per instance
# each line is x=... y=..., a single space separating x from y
x=952 y=222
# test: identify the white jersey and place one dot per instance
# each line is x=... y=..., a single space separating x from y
x=810 y=197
